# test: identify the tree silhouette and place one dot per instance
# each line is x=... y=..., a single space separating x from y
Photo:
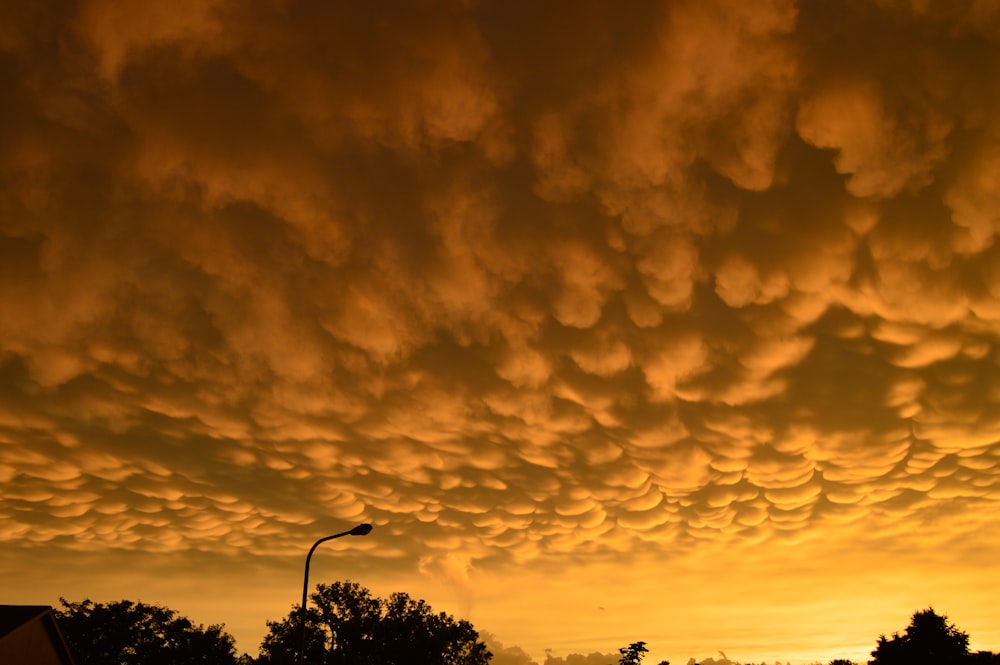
x=928 y=640
x=127 y=633
x=283 y=639
x=350 y=626
x=634 y=653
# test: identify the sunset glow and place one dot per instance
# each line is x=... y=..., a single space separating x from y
x=675 y=322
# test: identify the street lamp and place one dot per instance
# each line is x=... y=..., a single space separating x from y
x=359 y=530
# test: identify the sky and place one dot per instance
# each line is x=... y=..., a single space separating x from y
x=665 y=321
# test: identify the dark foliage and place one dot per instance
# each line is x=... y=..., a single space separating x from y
x=127 y=633
x=632 y=654
x=928 y=640
x=350 y=626
x=283 y=639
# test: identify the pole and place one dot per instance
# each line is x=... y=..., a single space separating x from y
x=359 y=530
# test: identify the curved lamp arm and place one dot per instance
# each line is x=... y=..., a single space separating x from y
x=359 y=530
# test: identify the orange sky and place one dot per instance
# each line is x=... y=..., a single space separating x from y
x=674 y=322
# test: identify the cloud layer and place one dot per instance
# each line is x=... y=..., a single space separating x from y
x=512 y=283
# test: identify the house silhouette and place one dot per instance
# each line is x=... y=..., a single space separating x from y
x=29 y=635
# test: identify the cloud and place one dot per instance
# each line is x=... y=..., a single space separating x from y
x=505 y=655
x=593 y=658
x=872 y=144
x=252 y=279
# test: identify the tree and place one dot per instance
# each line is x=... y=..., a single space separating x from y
x=632 y=654
x=283 y=639
x=349 y=625
x=928 y=640
x=127 y=633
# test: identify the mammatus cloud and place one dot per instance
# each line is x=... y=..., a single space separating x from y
x=513 y=284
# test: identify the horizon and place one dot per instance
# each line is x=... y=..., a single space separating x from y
x=665 y=321
x=505 y=654
x=278 y=586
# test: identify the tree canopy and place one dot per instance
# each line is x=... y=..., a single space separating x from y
x=346 y=624
x=349 y=625
x=929 y=640
x=127 y=633
x=634 y=653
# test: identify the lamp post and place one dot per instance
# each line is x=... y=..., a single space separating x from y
x=359 y=530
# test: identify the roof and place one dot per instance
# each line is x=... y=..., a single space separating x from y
x=29 y=633
x=15 y=616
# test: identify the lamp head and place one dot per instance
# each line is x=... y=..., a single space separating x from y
x=361 y=530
